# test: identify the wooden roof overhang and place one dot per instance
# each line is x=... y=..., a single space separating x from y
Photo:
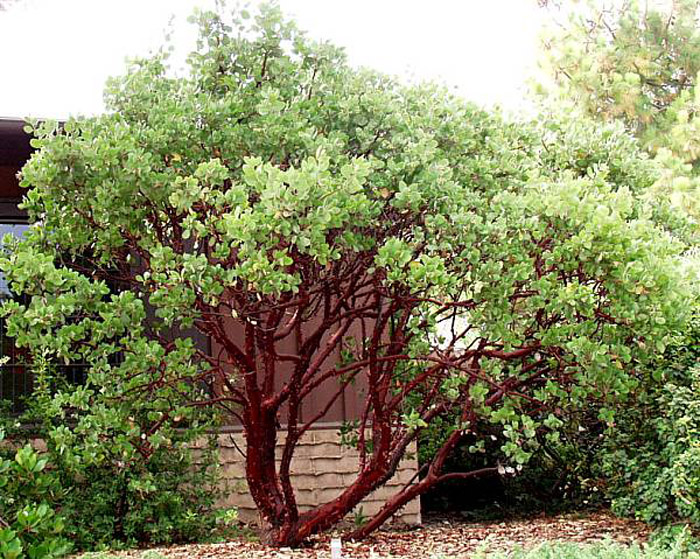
x=15 y=150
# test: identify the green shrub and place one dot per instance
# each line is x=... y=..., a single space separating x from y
x=115 y=480
x=166 y=499
x=559 y=476
x=651 y=461
x=29 y=525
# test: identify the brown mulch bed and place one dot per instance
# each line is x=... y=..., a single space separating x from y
x=438 y=537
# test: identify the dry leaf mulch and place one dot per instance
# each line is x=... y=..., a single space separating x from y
x=448 y=538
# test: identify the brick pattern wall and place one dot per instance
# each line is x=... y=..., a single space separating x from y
x=321 y=468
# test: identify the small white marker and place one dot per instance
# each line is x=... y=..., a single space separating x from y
x=336 y=549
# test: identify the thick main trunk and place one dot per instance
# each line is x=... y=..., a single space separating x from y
x=288 y=529
x=262 y=477
x=285 y=535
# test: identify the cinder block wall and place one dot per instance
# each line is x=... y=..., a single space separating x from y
x=322 y=468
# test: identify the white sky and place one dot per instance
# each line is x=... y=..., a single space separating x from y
x=56 y=54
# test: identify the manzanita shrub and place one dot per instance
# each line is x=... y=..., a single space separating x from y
x=293 y=210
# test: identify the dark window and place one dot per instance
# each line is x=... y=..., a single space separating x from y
x=15 y=378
